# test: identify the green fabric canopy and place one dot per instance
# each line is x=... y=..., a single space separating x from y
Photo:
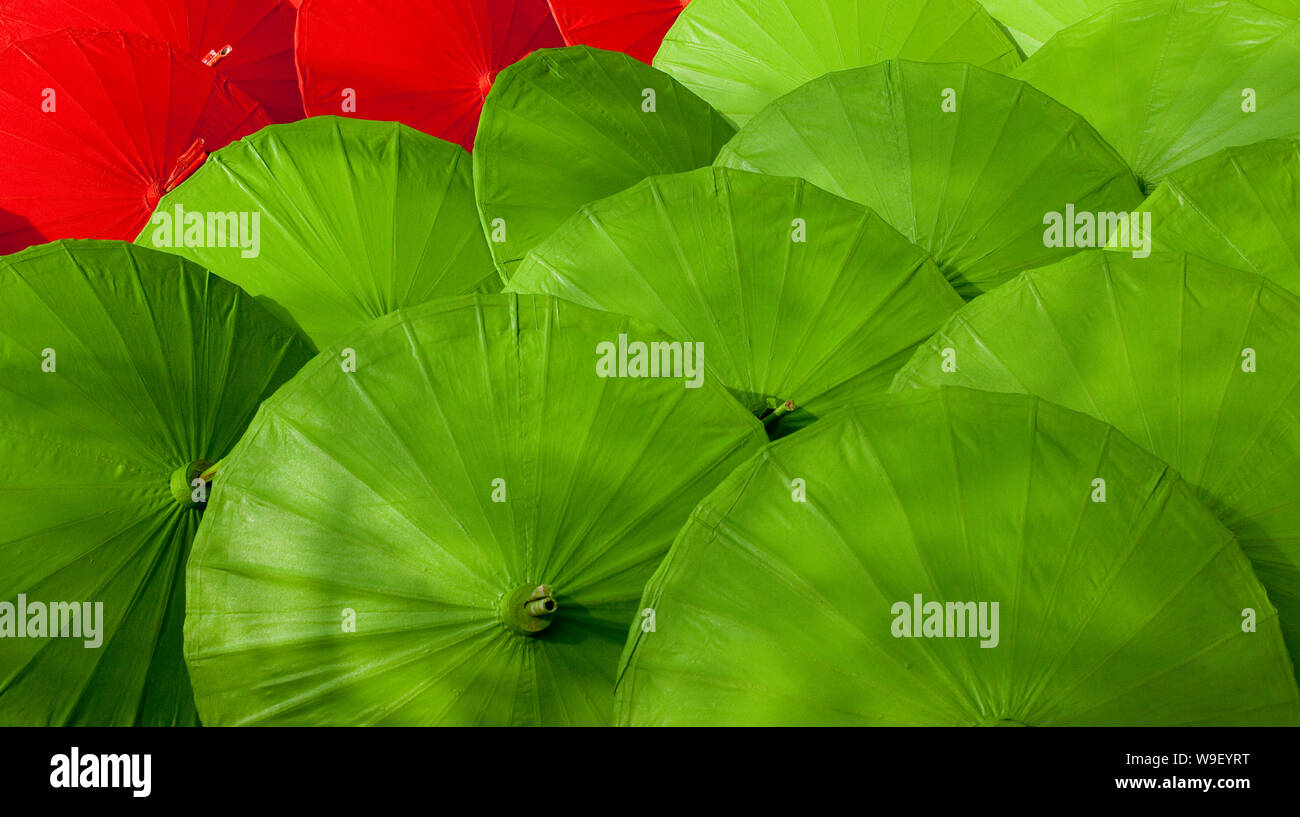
x=123 y=372
x=740 y=55
x=1239 y=207
x=568 y=126
x=797 y=295
x=964 y=162
x=1189 y=359
x=382 y=531
x=350 y=220
x=1168 y=82
x=847 y=576
x=1033 y=22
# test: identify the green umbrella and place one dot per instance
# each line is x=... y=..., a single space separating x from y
x=1168 y=82
x=798 y=296
x=1033 y=22
x=450 y=521
x=741 y=55
x=848 y=575
x=339 y=221
x=124 y=373
x=568 y=126
x=1189 y=359
x=965 y=162
x=1239 y=207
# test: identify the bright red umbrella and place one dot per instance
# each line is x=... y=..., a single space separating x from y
x=635 y=27
x=249 y=41
x=96 y=126
x=427 y=64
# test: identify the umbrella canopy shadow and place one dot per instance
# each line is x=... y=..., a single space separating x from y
x=16 y=231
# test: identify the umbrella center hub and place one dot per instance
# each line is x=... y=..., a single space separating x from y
x=184 y=491
x=1003 y=722
x=528 y=609
x=154 y=193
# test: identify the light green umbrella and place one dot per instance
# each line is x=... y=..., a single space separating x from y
x=965 y=162
x=332 y=222
x=1189 y=359
x=568 y=126
x=1033 y=22
x=1168 y=82
x=124 y=375
x=740 y=55
x=449 y=520
x=798 y=296
x=1239 y=207
x=849 y=574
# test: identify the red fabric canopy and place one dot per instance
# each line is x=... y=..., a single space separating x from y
x=635 y=27
x=428 y=64
x=96 y=126
x=259 y=34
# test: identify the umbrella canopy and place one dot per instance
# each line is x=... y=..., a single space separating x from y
x=428 y=64
x=1209 y=74
x=1033 y=22
x=964 y=162
x=123 y=373
x=926 y=510
x=740 y=55
x=635 y=27
x=798 y=296
x=345 y=220
x=457 y=530
x=96 y=126
x=1239 y=207
x=248 y=41
x=1187 y=358
x=568 y=126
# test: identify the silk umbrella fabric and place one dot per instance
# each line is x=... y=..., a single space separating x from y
x=429 y=64
x=1034 y=22
x=803 y=301
x=568 y=126
x=944 y=558
x=740 y=55
x=340 y=221
x=635 y=27
x=448 y=519
x=124 y=372
x=248 y=41
x=1211 y=74
x=1239 y=207
x=967 y=163
x=95 y=127
x=1187 y=358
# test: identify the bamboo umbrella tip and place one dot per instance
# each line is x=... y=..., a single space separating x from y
x=183 y=489
x=527 y=609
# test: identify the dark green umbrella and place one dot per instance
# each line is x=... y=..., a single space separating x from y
x=568 y=126
x=449 y=520
x=124 y=374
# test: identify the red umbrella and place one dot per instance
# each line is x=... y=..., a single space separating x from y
x=249 y=41
x=635 y=27
x=428 y=64
x=95 y=126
